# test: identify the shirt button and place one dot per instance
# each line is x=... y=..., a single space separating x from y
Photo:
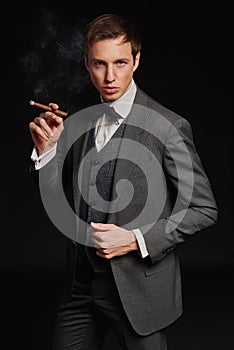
x=95 y=162
x=92 y=183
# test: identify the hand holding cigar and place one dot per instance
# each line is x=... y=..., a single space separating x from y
x=48 y=108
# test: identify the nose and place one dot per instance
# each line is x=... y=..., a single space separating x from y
x=110 y=74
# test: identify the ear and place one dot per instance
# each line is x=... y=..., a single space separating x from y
x=137 y=60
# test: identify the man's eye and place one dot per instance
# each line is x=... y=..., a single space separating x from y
x=121 y=63
x=98 y=63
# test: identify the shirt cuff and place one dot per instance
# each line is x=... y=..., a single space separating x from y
x=44 y=158
x=141 y=242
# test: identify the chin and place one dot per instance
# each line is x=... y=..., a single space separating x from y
x=111 y=98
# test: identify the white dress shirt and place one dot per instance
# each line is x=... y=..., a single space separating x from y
x=104 y=129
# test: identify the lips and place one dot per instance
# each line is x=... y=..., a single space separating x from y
x=110 y=90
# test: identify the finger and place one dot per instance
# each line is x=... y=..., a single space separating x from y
x=35 y=129
x=105 y=254
x=52 y=118
x=102 y=227
x=99 y=253
x=44 y=125
x=54 y=105
x=48 y=116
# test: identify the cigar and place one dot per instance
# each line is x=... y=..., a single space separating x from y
x=48 y=108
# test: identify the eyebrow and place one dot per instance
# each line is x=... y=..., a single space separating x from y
x=118 y=59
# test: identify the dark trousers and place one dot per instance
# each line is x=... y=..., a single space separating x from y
x=94 y=309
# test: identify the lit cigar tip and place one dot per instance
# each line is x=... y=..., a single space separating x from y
x=31 y=102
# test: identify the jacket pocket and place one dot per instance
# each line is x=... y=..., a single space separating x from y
x=164 y=264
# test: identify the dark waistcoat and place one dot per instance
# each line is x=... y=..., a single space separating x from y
x=98 y=172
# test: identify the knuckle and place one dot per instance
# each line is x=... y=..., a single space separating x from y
x=37 y=120
x=104 y=251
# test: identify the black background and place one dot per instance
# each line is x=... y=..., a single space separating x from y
x=186 y=64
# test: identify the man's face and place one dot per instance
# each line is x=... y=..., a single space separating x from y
x=111 y=66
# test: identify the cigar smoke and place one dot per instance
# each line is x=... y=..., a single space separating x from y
x=52 y=62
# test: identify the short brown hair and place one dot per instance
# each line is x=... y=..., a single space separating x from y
x=109 y=26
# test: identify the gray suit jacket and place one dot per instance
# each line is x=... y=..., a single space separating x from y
x=172 y=200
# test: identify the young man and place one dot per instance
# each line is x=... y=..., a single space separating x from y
x=137 y=183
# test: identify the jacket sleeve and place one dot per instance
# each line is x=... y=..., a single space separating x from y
x=195 y=207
